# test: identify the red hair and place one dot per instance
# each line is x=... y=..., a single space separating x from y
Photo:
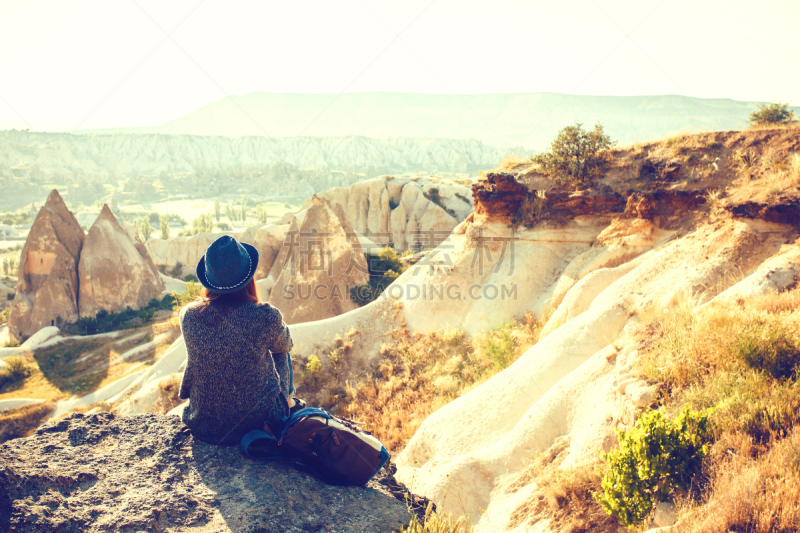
x=248 y=293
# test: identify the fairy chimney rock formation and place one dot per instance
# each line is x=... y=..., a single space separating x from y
x=393 y=211
x=47 y=291
x=115 y=271
x=319 y=262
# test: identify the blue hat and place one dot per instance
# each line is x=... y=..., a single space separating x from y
x=227 y=265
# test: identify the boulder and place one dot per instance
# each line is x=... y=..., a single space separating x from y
x=115 y=271
x=318 y=265
x=146 y=472
x=47 y=290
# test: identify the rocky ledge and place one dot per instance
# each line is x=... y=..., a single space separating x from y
x=147 y=473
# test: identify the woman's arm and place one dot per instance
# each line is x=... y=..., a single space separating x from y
x=283 y=366
x=186 y=382
x=282 y=341
x=279 y=342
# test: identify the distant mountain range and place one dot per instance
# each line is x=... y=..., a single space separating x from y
x=99 y=154
x=530 y=120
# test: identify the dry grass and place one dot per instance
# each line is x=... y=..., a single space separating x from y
x=510 y=163
x=683 y=144
x=758 y=494
x=765 y=174
x=415 y=375
x=15 y=373
x=735 y=359
x=434 y=522
x=78 y=366
x=22 y=421
x=168 y=389
x=788 y=125
x=741 y=359
x=562 y=497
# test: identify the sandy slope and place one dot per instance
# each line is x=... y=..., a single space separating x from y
x=577 y=381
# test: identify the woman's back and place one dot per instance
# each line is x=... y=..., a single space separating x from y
x=231 y=379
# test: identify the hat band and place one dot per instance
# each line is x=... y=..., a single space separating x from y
x=249 y=269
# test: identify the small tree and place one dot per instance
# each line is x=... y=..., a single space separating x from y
x=261 y=214
x=6 y=266
x=230 y=211
x=577 y=155
x=244 y=208
x=145 y=229
x=203 y=223
x=163 y=223
x=191 y=292
x=217 y=214
x=774 y=113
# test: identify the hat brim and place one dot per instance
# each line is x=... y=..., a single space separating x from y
x=201 y=272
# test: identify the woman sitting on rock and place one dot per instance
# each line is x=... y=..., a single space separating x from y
x=238 y=372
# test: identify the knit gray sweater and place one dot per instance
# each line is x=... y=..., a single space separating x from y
x=237 y=372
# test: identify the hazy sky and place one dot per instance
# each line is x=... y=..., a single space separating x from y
x=143 y=62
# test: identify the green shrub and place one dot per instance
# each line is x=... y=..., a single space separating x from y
x=14 y=374
x=771 y=114
x=104 y=321
x=192 y=291
x=577 y=155
x=384 y=267
x=530 y=210
x=768 y=348
x=499 y=348
x=655 y=457
x=314 y=365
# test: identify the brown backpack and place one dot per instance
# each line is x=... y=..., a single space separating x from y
x=332 y=448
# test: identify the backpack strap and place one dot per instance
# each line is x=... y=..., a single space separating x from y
x=255 y=436
x=308 y=411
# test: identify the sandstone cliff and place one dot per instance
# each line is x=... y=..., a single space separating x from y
x=115 y=270
x=147 y=473
x=315 y=270
x=406 y=212
x=47 y=290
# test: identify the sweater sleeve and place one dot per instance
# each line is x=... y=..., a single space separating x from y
x=279 y=342
x=186 y=382
x=283 y=366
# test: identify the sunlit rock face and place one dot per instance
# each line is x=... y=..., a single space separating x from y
x=406 y=212
x=318 y=264
x=115 y=271
x=498 y=197
x=47 y=292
